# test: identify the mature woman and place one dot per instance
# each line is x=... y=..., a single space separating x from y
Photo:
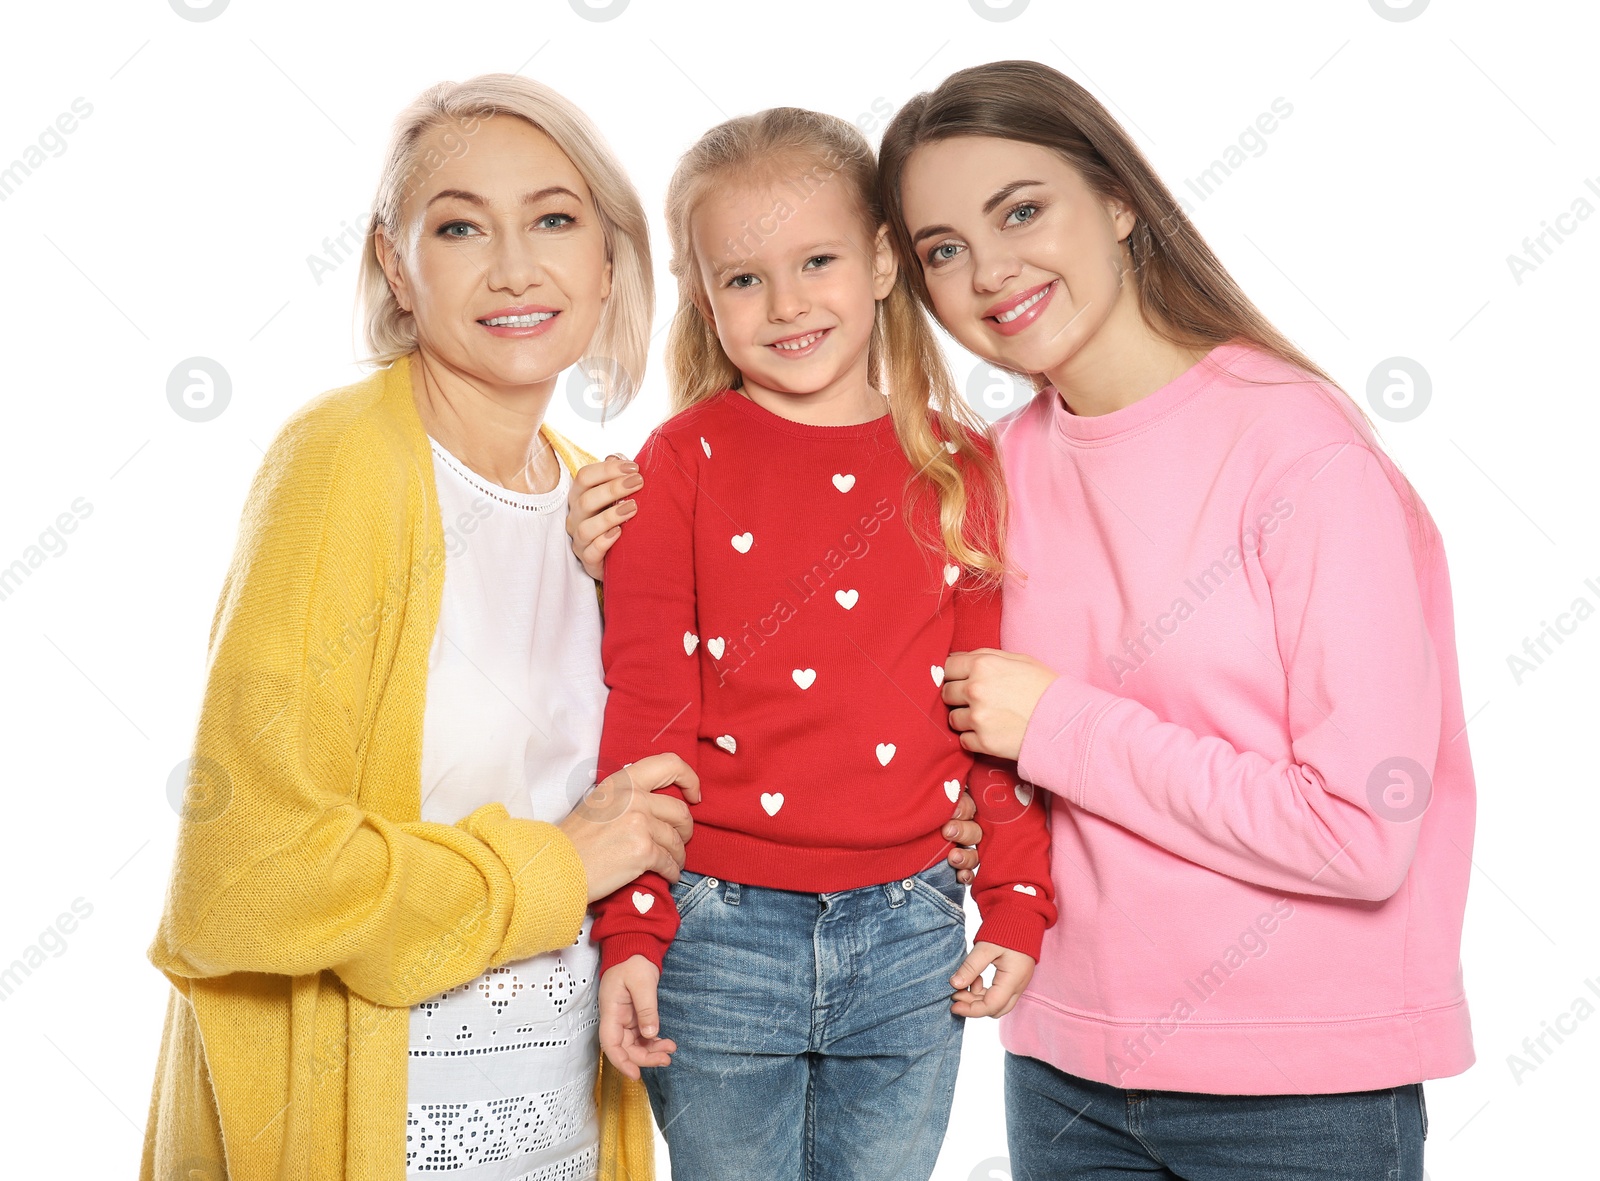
x=376 y=930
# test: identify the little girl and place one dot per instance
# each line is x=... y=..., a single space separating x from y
x=806 y=554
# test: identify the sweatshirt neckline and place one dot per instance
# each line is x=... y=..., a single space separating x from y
x=1120 y=424
x=806 y=430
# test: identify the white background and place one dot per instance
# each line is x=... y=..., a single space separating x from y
x=179 y=217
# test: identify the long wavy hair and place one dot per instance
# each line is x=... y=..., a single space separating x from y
x=617 y=353
x=1185 y=294
x=903 y=357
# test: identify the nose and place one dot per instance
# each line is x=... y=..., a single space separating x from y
x=514 y=263
x=993 y=266
x=786 y=300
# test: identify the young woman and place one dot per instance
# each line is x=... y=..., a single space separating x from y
x=818 y=529
x=1229 y=658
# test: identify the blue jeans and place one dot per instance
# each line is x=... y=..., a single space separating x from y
x=1059 y=1125
x=814 y=1031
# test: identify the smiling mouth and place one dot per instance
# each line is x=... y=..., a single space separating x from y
x=1007 y=316
x=795 y=344
x=527 y=321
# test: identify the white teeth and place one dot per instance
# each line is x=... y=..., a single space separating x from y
x=1007 y=317
x=527 y=321
x=799 y=342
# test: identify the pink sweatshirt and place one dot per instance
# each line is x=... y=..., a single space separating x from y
x=1260 y=792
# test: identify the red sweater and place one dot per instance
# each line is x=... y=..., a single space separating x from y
x=771 y=619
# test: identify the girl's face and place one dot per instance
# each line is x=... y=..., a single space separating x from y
x=501 y=256
x=792 y=281
x=1022 y=259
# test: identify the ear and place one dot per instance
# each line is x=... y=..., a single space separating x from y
x=605 y=282
x=885 y=266
x=1122 y=217
x=389 y=259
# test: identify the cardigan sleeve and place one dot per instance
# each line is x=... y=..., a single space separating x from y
x=1338 y=814
x=278 y=867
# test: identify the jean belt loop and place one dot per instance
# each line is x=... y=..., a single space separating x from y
x=730 y=893
x=896 y=892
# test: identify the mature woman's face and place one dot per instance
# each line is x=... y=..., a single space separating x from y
x=500 y=253
x=1022 y=259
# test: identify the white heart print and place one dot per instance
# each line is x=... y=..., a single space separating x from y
x=938 y=674
x=1021 y=889
x=689 y=641
x=642 y=902
x=952 y=788
x=885 y=753
x=952 y=446
x=771 y=801
x=715 y=646
x=804 y=677
x=846 y=599
x=742 y=542
x=704 y=446
x=1024 y=793
x=727 y=743
x=951 y=573
x=844 y=483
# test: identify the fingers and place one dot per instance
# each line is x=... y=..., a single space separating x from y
x=669 y=848
x=596 y=485
x=646 y=1020
x=966 y=807
x=964 y=862
x=971 y=969
x=657 y=771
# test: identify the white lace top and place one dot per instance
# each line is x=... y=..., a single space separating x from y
x=501 y=1069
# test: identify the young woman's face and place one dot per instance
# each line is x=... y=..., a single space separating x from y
x=1023 y=261
x=792 y=282
x=501 y=256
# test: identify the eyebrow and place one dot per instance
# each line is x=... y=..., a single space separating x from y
x=527 y=198
x=989 y=207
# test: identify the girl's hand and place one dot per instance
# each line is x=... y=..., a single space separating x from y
x=623 y=826
x=992 y=695
x=964 y=831
x=1012 y=971
x=628 y=1017
x=596 y=509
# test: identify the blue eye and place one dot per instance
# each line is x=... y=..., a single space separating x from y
x=561 y=218
x=822 y=258
x=739 y=281
x=943 y=253
x=444 y=230
x=1028 y=207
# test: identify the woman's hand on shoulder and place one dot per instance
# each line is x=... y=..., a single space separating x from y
x=596 y=509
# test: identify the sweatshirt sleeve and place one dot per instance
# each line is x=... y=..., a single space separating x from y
x=1012 y=886
x=651 y=652
x=278 y=867
x=1359 y=692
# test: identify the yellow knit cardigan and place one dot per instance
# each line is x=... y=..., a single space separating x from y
x=309 y=907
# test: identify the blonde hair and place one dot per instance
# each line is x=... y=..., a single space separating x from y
x=623 y=333
x=808 y=149
x=1185 y=294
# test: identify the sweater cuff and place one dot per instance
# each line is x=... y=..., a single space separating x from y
x=1014 y=927
x=550 y=887
x=1055 y=743
x=618 y=948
